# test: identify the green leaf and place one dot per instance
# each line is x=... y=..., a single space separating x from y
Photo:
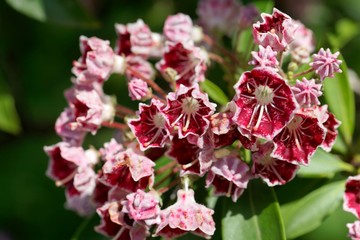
x=64 y=12
x=307 y=213
x=324 y=164
x=255 y=216
x=9 y=120
x=214 y=92
x=264 y=6
x=340 y=97
x=346 y=30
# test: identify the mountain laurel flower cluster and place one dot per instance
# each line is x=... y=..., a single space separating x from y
x=144 y=179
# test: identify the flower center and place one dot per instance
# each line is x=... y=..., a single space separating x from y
x=295 y=123
x=190 y=105
x=159 y=120
x=264 y=95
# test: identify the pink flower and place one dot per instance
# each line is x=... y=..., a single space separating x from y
x=325 y=63
x=354 y=230
x=142 y=207
x=307 y=92
x=140 y=65
x=188 y=110
x=276 y=30
x=224 y=130
x=134 y=38
x=88 y=108
x=138 y=89
x=196 y=159
x=303 y=44
x=187 y=60
x=230 y=176
x=273 y=171
x=298 y=141
x=178 y=28
x=265 y=57
x=150 y=128
x=186 y=216
x=96 y=63
x=80 y=202
x=331 y=125
x=110 y=150
x=352 y=195
x=265 y=103
x=223 y=16
x=67 y=128
x=129 y=170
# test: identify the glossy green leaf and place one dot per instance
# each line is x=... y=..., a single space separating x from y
x=346 y=30
x=256 y=215
x=324 y=164
x=64 y=12
x=9 y=120
x=215 y=92
x=307 y=213
x=264 y=6
x=340 y=97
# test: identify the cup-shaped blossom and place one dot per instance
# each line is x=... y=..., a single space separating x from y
x=273 y=171
x=128 y=170
x=307 y=92
x=150 y=128
x=64 y=161
x=134 y=38
x=188 y=111
x=186 y=60
x=331 y=125
x=142 y=207
x=67 y=128
x=222 y=16
x=96 y=63
x=186 y=216
x=303 y=44
x=354 y=230
x=88 y=108
x=178 y=28
x=352 y=195
x=224 y=130
x=196 y=159
x=79 y=201
x=265 y=57
x=276 y=30
x=298 y=141
x=265 y=103
x=230 y=176
x=326 y=63
x=110 y=149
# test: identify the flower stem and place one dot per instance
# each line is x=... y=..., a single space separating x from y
x=125 y=110
x=167 y=188
x=303 y=73
x=115 y=125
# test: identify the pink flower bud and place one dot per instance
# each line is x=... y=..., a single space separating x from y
x=325 y=63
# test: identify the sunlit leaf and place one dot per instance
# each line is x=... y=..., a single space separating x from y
x=9 y=120
x=64 y=12
x=324 y=164
x=215 y=92
x=340 y=97
x=346 y=30
x=255 y=216
x=307 y=213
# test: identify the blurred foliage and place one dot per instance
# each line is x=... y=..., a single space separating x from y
x=35 y=63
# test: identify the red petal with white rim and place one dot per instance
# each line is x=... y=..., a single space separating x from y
x=299 y=140
x=265 y=103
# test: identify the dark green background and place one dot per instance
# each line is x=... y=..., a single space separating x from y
x=35 y=59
